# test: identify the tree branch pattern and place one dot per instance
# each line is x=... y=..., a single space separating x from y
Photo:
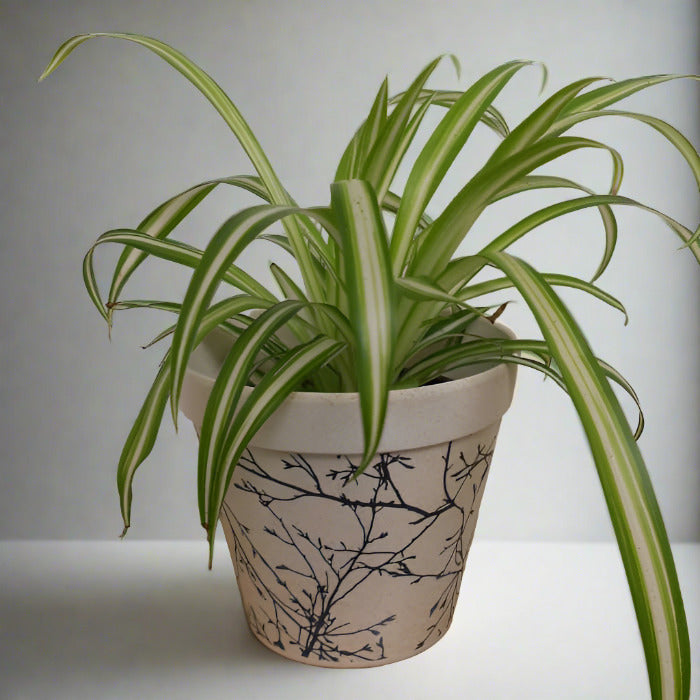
x=298 y=602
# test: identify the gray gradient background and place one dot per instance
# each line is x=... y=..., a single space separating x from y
x=116 y=131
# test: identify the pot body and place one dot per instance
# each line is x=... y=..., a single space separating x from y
x=353 y=573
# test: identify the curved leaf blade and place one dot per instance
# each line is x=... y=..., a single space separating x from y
x=233 y=118
x=632 y=504
x=263 y=401
x=144 y=431
x=383 y=153
x=533 y=182
x=164 y=218
x=441 y=240
x=554 y=279
x=141 y=439
x=92 y=288
x=568 y=206
x=204 y=83
x=670 y=133
x=392 y=202
x=180 y=253
x=536 y=124
x=609 y=94
x=440 y=151
x=395 y=157
x=370 y=293
x=423 y=289
x=472 y=350
x=375 y=122
x=228 y=242
x=528 y=353
x=225 y=393
x=492 y=117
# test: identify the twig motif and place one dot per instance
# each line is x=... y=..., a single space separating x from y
x=299 y=596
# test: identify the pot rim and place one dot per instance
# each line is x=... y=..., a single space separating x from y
x=416 y=417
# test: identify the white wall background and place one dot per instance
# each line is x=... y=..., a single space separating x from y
x=116 y=131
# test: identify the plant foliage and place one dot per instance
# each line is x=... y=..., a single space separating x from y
x=384 y=297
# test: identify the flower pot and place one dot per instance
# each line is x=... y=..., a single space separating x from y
x=342 y=573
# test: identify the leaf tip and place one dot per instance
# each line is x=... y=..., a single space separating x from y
x=360 y=470
x=457 y=65
x=173 y=410
x=545 y=74
x=211 y=552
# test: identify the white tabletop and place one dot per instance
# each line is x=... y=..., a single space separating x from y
x=93 y=620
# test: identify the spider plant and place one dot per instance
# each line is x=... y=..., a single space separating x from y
x=384 y=300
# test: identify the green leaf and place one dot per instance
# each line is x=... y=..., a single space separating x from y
x=612 y=373
x=205 y=84
x=228 y=110
x=338 y=319
x=473 y=350
x=228 y=242
x=373 y=125
x=348 y=161
x=142 y=436
x=556 y=280
x=670 y=133
x=382 y=161
x=423 y=289
x=452 y=325
x=635 y=514
x=279 y=240
x=92 y=288
x=155 y=304
x=262 y=402
x=441 y=240
x=396 y=156
x=291 y=290
x=438 y=154
x=495 y=121
x=476 y=350
x=234 y=325
x=144 y=431
x=226 y=392
x=492 y=117
x=466 y=268
x=533 y=182
x=553 y=211
x=535 y=125
x=370 y=293
x=164 y=218
x=356 y=152
x=392 y=202
x=609 y=94
x=177 y=252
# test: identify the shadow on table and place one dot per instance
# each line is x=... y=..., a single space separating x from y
x=66 y=632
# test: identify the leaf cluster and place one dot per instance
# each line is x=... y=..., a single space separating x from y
x=379 y=298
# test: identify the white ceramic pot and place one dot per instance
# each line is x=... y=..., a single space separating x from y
x=339 y=573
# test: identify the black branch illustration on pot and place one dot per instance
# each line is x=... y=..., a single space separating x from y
x=341 y=572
